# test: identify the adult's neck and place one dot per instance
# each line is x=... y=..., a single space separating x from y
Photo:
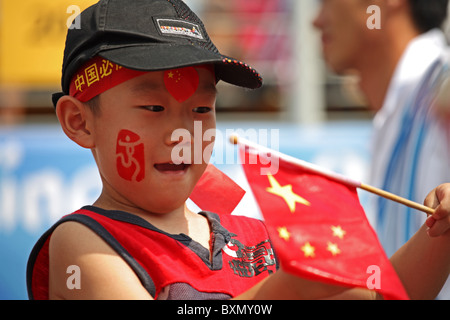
x=378 y=68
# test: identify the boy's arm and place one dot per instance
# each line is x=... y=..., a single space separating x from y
x=423 y=263
x=102 y=273
x=284 y=286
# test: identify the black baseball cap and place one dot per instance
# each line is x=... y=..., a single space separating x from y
x=147 y=35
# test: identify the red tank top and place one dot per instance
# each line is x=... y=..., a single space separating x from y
x=172 y=266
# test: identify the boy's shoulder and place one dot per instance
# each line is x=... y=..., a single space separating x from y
x=75 y=247
x=73 y=235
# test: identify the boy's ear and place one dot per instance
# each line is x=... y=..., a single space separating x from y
x=75 y=119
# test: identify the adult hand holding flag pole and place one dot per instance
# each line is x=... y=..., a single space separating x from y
x=316 y=223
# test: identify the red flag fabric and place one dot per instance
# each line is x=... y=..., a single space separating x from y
x=318 y=227
x=216 y=192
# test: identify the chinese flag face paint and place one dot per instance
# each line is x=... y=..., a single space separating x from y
x=130 y=156
x=181 y=83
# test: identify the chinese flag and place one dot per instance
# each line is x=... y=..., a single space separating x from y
x=216 y=192
x=319 y=228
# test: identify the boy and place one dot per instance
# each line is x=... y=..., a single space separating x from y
x=135 y=72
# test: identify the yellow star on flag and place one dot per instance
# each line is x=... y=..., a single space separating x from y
x=308 y=250
x=283 y=233
x=286 y=193
x=333 y=248
x=338 y=232
x=170 y=75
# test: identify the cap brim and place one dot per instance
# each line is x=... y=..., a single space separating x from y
x=158 y=56
x=154 y=57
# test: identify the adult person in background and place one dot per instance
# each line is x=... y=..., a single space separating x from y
x=401 y=60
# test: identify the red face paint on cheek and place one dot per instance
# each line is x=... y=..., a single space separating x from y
x=130 y=160
x=181 y=83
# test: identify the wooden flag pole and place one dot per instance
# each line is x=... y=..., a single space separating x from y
x=396 y=198
x=236 y=140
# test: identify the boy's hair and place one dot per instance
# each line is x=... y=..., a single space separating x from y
x=94 y=105
x=145 y=35
x=428 y=14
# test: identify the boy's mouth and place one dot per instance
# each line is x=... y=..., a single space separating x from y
x=171 y=167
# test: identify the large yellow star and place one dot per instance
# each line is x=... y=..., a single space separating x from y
x=286 y=193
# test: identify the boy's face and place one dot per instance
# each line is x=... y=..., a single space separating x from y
x=135 y=145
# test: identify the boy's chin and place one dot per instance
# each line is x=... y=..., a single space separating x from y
x=166 y=205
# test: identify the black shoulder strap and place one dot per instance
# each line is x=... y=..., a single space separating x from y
x=96 y=227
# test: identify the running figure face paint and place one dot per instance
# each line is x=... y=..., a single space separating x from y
x=130 y=156
x=181 y=83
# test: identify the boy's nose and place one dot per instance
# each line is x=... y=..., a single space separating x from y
x=179 y=132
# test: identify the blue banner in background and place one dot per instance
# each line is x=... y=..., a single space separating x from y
x=44 y=175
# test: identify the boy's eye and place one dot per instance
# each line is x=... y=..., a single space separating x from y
x=154 y=108
x=202 y=109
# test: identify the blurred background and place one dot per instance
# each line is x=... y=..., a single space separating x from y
x=309 y=112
